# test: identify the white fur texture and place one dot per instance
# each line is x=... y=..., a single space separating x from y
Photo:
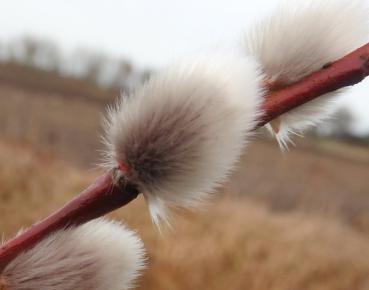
x=183 y=131
x=300 y=38
x=99 y=255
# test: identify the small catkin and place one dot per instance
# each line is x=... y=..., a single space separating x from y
x=299 y=38
x=98 y=255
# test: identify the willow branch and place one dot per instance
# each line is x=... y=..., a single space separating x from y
x=105 y=195
x=100 y=198
x=345 y=72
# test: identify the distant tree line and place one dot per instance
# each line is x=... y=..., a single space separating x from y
x=95 y=67
x=341 y=127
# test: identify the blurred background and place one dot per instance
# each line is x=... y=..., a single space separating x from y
x=295 y=220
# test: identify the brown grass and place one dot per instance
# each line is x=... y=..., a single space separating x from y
x=293 y=221
x=235 y=244
x=309 y=178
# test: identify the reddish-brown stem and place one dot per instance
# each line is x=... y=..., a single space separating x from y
x=347 y=71
x=100 y=198
x=104 y=195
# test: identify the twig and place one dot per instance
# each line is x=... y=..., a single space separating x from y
x=347 y=71
x=100 y=198
x=104 y=195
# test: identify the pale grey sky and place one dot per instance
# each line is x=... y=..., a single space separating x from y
x=148 y=32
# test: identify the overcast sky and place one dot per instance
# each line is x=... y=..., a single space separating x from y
x=148 y=32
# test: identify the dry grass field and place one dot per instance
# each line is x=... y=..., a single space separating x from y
x=294 y=221
x=231 y=245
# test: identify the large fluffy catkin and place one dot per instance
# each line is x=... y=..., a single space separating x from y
x=300 y=37
x=99 y=255
x=179 y=135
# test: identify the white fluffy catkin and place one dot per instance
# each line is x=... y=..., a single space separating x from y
x=300 y=38
x=182 y=132
x=99 y=255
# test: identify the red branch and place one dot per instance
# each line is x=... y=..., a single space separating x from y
x=104 y=196
x=100 y=198
x=347 y=71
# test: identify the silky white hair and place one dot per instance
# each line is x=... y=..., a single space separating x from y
x=300 y=38
x=98 y=255
x=182 y=132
